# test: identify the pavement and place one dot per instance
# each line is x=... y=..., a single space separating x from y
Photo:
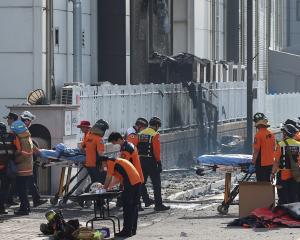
x=191 y=221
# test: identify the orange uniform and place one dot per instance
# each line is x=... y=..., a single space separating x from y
x=124 y=171
x=130 y=153
x=93 y=145
x=264 y=147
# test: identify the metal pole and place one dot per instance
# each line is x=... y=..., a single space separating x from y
x=248 y=145
x=77 y=41
x=49 y=49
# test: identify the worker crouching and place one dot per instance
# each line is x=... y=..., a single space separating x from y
x=287 y=150
x=129 y=177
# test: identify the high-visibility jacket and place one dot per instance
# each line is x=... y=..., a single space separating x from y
x=264 y=145
x=124 y=171
x=282 y=156
x=93 y=145
x=149 y=144
x=129 y=152
x=24 y=154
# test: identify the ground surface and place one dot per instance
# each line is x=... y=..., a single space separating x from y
x=197 y=219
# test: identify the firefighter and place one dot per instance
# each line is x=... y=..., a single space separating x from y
x=7 y=151
x=287 y=150
x=129 y=177
x=132 y=132
x=27 y=118
x=11 y=181
x=149 y=152
x=84 y=127
x=24 y=164
x=94 y=148
x=263 y=148
x=129 y=152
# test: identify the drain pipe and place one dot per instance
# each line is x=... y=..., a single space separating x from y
x=49 y=51
x=77 y=41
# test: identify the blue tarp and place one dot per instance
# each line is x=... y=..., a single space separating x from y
x=235 y=160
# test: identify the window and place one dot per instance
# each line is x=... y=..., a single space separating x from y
x=298 y=11
x=56 y=36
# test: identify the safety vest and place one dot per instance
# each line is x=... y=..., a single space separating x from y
x=145 y=146
x=294 y=148
x=7 y=150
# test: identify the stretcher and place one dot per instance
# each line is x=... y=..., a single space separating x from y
x=212 y=162
x=49 y=158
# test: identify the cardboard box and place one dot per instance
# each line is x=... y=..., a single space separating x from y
x=254 y=195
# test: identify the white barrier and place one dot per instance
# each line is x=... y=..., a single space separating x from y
x=121 y=105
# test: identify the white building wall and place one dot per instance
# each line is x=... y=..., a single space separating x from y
x=20 y=50
x=23 y=47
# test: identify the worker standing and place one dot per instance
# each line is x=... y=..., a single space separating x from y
x=11 y=180
x=7 y=152
x=263 y=148
x=94 y=147
x=132 y=132
x=149 y=152
x=27 y=118
x=84 y=127
x=24 y=162
x=287 y=150
x=129 y=177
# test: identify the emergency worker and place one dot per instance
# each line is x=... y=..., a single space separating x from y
x=263 y=148
x=129 y=177
x=11 y=181
x=149 y=152
x=132 y=132
x=84 y=127
x=27 y=118
x=7 y=152
x=129 y=152
x=24 y=162
x=94 y=148
x=287 y=150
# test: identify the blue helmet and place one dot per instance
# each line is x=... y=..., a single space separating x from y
x=18 y=127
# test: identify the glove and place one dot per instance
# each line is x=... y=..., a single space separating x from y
x=159 y=167
x=251 y=168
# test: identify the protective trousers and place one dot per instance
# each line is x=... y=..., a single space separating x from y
x=3 y=189
x=130 y=198
x=22 y=183
x=288 y=191
x=263 y=173
x=149 y=167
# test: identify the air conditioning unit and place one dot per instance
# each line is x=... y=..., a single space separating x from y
x=70 y=95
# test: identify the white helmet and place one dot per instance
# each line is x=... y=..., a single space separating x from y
x=27 y=115
x=95 y=187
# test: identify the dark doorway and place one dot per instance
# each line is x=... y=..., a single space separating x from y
x=111 y=41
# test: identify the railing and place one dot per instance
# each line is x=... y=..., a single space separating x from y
x=280 y=107
x=122 y=105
